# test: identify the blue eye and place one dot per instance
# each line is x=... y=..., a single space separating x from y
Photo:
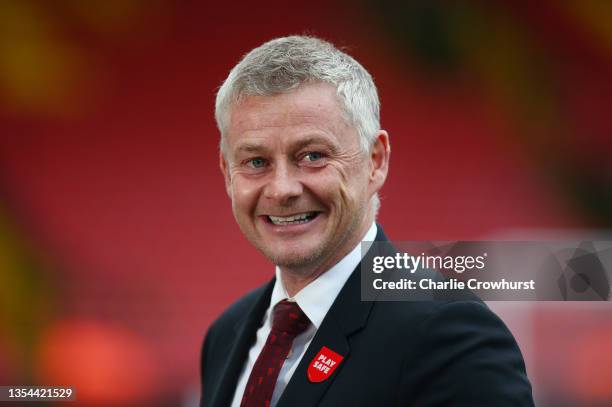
x=313 y=156
x=257 y=162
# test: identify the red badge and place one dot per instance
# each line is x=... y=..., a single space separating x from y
x=323 y=365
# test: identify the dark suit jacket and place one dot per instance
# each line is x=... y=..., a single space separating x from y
x=417 y=353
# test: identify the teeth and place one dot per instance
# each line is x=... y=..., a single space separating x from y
x=291 y=220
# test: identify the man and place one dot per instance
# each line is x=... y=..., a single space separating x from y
x=303 y=159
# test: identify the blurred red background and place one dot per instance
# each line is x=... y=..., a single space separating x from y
x=117 y=243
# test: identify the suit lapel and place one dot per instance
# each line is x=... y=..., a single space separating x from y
x=346 y=317
x=238 y=349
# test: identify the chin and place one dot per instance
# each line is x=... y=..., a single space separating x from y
x=294 y=258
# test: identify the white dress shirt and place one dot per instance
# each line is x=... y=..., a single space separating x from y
x=315 y=300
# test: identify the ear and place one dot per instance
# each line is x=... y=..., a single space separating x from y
x=379 y=161
x=226 y=174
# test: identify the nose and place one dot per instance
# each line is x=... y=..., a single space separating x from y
x=284 y=185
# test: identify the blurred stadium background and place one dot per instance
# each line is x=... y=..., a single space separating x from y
x=117 y=243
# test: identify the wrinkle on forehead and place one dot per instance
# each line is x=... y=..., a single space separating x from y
x=256 y=113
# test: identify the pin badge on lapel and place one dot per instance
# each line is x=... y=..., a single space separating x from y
x=323 y=365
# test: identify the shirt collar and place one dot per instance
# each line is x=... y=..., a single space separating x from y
x=317 y=297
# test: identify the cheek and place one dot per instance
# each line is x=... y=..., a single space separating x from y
x=351 y=179
x=335 y=187
x=244 y=194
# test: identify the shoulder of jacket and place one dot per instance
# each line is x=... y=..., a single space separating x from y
x=237 y=310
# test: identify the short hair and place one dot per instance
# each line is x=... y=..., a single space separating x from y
x=283 y=64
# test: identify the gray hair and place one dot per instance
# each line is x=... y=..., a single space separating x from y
x=284 y=64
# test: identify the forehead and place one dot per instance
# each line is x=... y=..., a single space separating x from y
x=310 y=108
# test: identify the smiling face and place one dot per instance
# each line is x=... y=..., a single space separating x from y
x=300 y=185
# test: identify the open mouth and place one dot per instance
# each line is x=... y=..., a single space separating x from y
x=293 y=219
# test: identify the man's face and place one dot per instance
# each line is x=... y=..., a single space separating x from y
x=300 y=184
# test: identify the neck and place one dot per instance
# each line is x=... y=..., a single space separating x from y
x=295 y=279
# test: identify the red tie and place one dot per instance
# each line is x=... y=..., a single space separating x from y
x=288 y=322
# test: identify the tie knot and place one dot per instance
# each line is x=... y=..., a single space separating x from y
x=289 y=317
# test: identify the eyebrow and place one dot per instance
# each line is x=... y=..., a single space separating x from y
x=251 y=147
x=315 y=140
